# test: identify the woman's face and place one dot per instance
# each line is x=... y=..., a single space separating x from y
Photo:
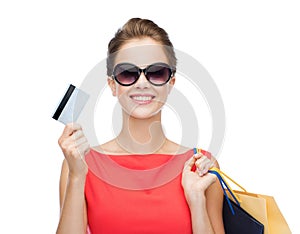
x=142 y=99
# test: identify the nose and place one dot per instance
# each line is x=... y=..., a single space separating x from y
x=142 y=82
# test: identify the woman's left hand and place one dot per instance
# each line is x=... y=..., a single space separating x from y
x=196 y=182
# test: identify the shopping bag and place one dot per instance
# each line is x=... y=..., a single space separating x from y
x=261 y=207
x=265 y=209
x=240 y=221
x=236 y=220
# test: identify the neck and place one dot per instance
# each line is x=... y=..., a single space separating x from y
x=141 y=135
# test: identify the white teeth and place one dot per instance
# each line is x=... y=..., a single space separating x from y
x=142 y=98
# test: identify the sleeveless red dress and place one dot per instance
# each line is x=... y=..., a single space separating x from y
x=136 y=194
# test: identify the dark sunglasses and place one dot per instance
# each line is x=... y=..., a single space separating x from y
x=127 y=74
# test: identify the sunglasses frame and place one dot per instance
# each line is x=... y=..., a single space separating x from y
x=140 y=71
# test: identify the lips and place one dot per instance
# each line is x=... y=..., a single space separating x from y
x=142 y=98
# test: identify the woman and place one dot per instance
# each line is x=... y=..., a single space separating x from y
x=130 y=184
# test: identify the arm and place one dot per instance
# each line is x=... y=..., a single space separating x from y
x=214 y=204
x=73 y=218
x=205 y=199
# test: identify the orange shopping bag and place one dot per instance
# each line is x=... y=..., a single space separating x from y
x=262 y=207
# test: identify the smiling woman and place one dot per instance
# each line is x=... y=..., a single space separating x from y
x=140 y=90
x=162 y=186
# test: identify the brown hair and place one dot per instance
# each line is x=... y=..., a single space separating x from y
x=139 y=28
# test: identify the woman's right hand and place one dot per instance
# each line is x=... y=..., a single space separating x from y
x=74 y=146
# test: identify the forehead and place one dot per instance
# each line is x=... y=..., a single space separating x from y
x=141 y=52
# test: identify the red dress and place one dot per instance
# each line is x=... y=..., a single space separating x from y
x=136 y=194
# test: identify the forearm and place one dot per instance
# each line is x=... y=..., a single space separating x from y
x=200 y=219
x=72 y=220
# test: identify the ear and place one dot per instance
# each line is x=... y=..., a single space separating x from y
x=171 y=83
x=112 y=85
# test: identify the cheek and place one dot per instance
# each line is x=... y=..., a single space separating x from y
x=122 y=95
x=162 y=94
x=121 y=91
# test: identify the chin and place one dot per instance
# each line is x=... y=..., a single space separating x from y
x=143 y=114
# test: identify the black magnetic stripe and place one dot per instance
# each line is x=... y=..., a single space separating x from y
x=63 y=102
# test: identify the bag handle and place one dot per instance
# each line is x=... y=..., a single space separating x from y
x=222 y=174
x=229 y=178
x=204 y=152
x=225 y=186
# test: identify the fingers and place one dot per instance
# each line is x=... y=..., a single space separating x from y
x=192 y=181
x=74 y=146
x=77 y=134
x=83 y=149
x=70 y=129
x=79 y=141
x=203 y=163
x=189 y=164
x=71 y=145
x=73 y=141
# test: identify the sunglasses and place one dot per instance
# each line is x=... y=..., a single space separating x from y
x=127 y=74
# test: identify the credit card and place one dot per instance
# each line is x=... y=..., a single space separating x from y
x=71 y=105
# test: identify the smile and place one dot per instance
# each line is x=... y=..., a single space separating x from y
x=142 y=99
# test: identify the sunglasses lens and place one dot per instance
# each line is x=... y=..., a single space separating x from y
x=126 y=74
x=158 y=74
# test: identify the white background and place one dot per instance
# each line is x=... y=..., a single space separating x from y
x=250 y=48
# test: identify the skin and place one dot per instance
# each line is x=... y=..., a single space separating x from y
x=141 y=121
